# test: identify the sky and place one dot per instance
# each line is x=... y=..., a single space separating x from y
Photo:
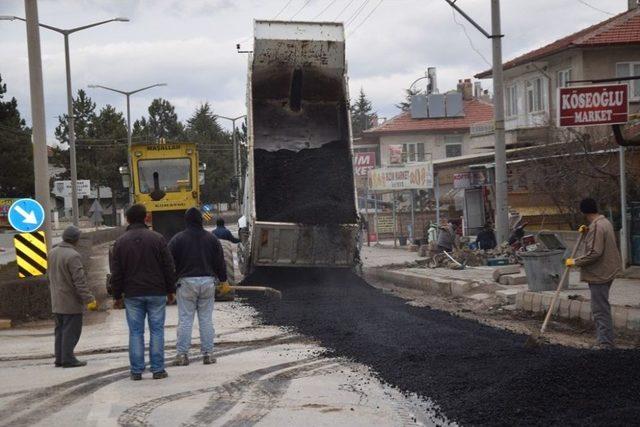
x=191 y=46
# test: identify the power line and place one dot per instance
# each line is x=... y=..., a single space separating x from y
x=358 y=11
x=283 y=9
x=366 y=17
x=343 y=9
x=596 y=8
x=464 y=29
x=325 y=9
x=300 y=10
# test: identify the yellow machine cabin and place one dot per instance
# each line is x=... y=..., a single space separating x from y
x=166 y=179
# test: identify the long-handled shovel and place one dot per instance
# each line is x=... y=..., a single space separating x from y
x=535 y=339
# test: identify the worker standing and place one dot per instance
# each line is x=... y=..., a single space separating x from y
x=446 y=236
x=200 y=267
x=143 y=281
x=69 y=295
x=598 y=267
x=223 y=233
x=486 y=239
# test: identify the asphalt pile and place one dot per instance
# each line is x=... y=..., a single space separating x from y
x=476 y=374
x=311 y=186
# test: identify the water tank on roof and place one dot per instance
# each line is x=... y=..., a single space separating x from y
x=454 y=105
x=436 y=105
x=419 y=107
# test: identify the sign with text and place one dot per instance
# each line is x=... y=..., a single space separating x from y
x=363 y=161
x=407 y=177
x=395 y=154
x=593 y=105
x=63 y=188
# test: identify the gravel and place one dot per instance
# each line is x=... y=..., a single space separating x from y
x=477 y=375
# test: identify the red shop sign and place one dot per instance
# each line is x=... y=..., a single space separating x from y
x=593 y=105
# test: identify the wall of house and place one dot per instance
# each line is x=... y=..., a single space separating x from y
x=600 y=63
x=434 y=143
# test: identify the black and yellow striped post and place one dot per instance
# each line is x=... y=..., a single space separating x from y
x=31 y=254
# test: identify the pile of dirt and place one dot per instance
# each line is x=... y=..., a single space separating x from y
x=311 y=186
x=478 y=375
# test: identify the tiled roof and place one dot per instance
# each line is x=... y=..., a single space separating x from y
x=474 y=110
x=621 y=29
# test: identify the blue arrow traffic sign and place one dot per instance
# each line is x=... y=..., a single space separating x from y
x=26 y=215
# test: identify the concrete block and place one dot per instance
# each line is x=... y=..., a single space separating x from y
x=619 y=315
x=633 y=319
x=503 y=280
x=5 y=323
x=459 y=288
x=442 y=286
x=564 y=308
x=536 y=303
x=515 y=279
x=546 y=303
x=507 y=295
x=528 y=301
x=585 y=311
x=507 y=269
x=520 y=300
x=574 y=309
x=480 y=296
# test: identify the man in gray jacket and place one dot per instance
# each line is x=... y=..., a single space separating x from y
x=598 y=267
x=69 y=295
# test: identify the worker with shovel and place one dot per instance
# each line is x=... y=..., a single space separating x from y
x=598 y=267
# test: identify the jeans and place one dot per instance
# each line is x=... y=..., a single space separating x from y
x=137 y=309
x=195 y=294
x=601 y=310
x=68 y=330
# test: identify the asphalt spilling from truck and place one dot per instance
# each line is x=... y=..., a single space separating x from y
x=312 y=186
x=476 y=374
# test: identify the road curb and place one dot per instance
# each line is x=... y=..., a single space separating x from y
x=536 y=302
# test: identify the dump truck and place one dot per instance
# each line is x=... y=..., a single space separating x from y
x=165 y=177
x=298 y=201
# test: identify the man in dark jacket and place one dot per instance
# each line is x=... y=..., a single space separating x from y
x=69 y=295
x=143 y=273
x=223 y=233
x=200 y=266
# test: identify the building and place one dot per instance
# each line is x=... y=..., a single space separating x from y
x=610 y=48
x=430 y=138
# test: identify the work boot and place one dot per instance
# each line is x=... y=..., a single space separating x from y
x=160 y=375
x=57 y=364
x=207 y=359
x=75 y=364
x=136 y=377
x=181 y=360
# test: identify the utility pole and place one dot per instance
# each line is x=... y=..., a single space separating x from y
x=502 y=203
x=40 y=161
x=624 y=230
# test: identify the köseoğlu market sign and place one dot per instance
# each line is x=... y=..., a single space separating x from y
x=593 y=105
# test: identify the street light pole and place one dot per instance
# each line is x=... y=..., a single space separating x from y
x=128 y=94
x=71 y=117
x=236 y=154
x=40 y=161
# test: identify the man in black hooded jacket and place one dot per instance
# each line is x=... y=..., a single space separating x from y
x=200 y=266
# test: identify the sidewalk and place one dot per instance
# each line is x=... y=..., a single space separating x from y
x=477 y=284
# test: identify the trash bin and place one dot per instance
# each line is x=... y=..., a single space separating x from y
x=543 y=269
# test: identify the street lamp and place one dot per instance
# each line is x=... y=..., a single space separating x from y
x=236 y=157
x=72 y=131
x=128 y=95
